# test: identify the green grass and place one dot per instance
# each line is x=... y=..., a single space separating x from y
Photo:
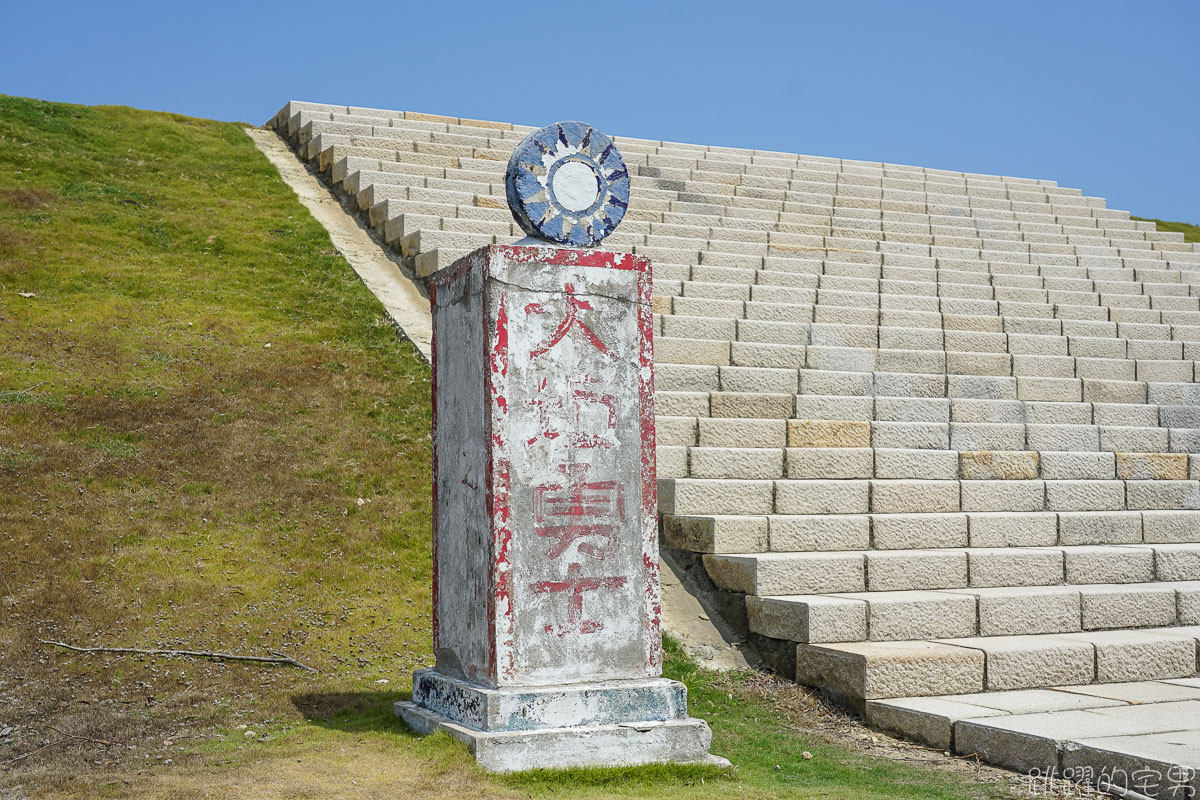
x=1191 y=233
x=167 y=480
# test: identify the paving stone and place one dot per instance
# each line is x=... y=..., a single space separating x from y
x=1108 y=564
x=998 y=465
x=927 y=720
x=1028 y=742
x=822 y=497
x=1162 y=527
x=1099 y=527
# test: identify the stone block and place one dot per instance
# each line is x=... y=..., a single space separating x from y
x=1110 y=606
x=671 y=462
x=736 y=462
x=850 y=674
x=695 y=496
x=910 y=435
x=830 y=463
x=904 y=615
x=1014 y=566
x=998 y=465
x=1013 y=529
x=1166 y=495
x=916 y=464
x=1059 y=465
x=927 y=720
x=787 y=573
x=918 y=531
x=1029 y=662
x=1003 y=495
x=821 y=497
x=716 y=534
x=986 y=436
x=1123 y=564
x=683 y=404
x=835 y=407
x=756 y=406
x=808 y=618
x=1166 y=527
x=1085 y=495
x=1152 y=466
x=912 y=409
x=1013 y=611
x=827 y=433
x=1029 y=742
x=1075 y=438
x=675 y=431
x=809 y=532
x=758 y=379
x=902 y=570
x=914 y=496
x=1099 y=527
x=1126 y=655
x=1177 y=562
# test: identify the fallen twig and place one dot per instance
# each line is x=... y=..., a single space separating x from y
x=30 y=389
x=274 y=658
x=64 y=740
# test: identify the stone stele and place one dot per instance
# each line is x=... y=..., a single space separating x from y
x=546 y=586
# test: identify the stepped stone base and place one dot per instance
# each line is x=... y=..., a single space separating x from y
x=533 y=744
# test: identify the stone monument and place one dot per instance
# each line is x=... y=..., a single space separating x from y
x=546 y=586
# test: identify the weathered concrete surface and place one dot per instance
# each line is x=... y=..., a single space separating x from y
x=546 y=540
x=622 y=744
x=546 y=586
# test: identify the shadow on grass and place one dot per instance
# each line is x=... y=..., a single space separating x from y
x=354 y=712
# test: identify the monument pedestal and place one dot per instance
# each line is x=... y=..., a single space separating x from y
x=546 y=586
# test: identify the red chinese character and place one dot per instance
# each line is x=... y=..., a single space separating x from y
x=576 y=586
x=585 y=431
x=581 y=509
x=571 y=320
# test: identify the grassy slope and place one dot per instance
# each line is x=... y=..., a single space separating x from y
x=1191 y=233
x=169 y=479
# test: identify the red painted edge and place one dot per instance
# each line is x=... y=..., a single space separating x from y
x=652 y=595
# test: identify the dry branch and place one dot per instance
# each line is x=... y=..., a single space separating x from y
x=274 y=658
x=64 y=740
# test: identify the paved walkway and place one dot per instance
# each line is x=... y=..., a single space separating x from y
x=1143 y=736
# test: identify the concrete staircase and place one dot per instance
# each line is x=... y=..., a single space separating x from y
x=938 y=433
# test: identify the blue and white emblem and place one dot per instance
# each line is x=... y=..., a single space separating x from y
x=567 y=183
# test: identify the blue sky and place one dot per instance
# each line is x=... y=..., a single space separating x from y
x=1097 y=95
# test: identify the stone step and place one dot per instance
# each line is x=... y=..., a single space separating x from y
x=853 y=674
x=674 y=407
x=798 y=533
x=696 y=379
x=1139 y=735
x=852 y=460
x=708 y=496
x=994 y=569
x=691 y=365
x=953 y=318
x=1007 y=610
